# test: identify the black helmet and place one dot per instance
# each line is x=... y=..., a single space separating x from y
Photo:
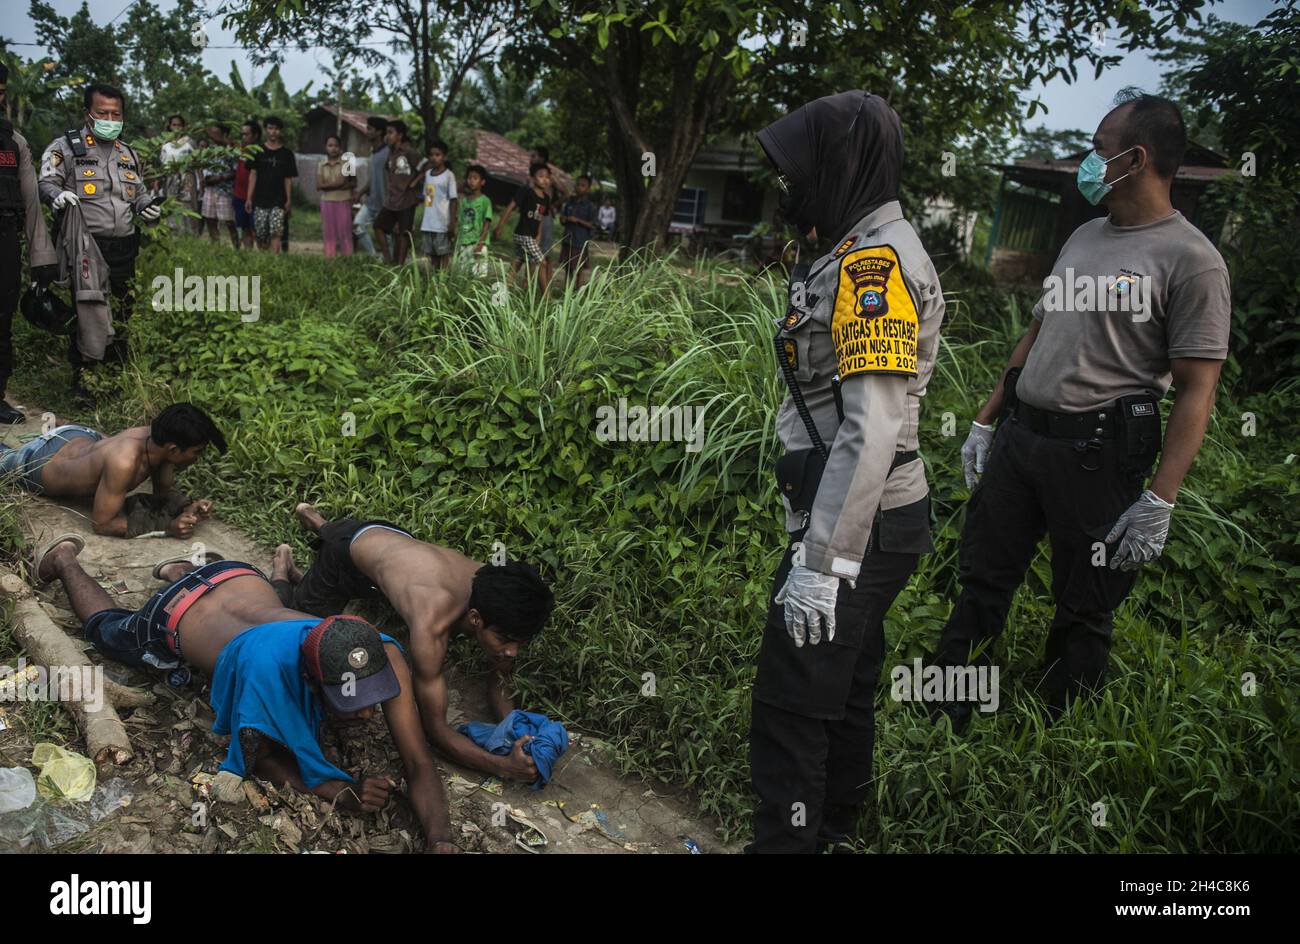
x=47 y=311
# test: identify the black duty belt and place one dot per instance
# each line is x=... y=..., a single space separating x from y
x=1099 y=424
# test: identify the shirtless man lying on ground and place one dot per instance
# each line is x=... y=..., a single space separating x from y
x=78 y=462
x=275 y=673
x=439 y=593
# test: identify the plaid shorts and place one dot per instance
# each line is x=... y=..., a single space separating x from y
x=528 y=249
x=435 y=244
x=217 y=205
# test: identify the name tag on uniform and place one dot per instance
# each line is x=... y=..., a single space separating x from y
x=83 y=161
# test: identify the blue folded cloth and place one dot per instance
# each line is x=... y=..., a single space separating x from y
x=549 y=742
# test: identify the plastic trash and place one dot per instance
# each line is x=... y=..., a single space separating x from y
x=65 y=775
x=50 y=823
x=17 y=789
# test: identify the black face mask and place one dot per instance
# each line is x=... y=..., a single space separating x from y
x=840 y=157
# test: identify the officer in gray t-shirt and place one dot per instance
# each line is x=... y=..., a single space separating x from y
x=1136 y=301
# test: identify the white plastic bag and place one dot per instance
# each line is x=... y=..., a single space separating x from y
x=17 y=789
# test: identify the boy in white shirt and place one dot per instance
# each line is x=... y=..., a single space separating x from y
x=439 y=222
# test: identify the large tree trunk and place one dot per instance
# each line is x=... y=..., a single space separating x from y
x=694 y=100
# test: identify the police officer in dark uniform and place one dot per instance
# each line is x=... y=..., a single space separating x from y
x=1138 y=300
x=93 y=168
x=20 y=209
x=856 y=345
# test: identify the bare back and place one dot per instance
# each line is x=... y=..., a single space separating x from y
x=76 y=470
x=427 y=584
x=225 y=612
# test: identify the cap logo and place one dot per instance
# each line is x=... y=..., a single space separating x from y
x=358 y=658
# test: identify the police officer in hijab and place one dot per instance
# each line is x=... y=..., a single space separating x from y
x=856 y=345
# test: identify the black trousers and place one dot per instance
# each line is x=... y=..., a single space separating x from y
x=119 y=254
x=813 y=729
x=1035 y=485
x=333 y=579
x=10 y=270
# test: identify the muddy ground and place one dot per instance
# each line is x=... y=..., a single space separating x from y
x=587 y=807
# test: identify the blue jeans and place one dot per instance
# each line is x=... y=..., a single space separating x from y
x=26 y=462
x=363 y=230
x=141 y=637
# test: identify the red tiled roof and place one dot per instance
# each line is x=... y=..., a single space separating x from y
x=356 y=119
x=505 y=160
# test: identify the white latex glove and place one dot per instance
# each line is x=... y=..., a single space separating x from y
x=1145 y=526
x=151 y=214
x=808 y=597
x=974 y=451
x=64 y=199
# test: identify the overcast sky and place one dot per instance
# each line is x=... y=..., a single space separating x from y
x=1079 y=105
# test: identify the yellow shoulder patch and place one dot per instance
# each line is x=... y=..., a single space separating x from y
x=875 y=321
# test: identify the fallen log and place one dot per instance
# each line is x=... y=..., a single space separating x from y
x=48 y=645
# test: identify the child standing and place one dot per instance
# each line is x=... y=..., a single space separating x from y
x=335 y=200
x=474 y=221
x=579 y=218
x=533 y=201
x=607 y=217
x=440 y=199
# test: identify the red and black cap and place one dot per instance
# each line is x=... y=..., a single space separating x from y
x=345 y=656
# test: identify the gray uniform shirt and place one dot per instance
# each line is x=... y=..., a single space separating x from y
x=1120 y=303
x=39 y=250
x=872 y=311
x=108 y=181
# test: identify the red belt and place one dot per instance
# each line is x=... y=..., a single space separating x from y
x=178 y=605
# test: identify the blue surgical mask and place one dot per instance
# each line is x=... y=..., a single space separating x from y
x=1092 y=176
x=108 y=130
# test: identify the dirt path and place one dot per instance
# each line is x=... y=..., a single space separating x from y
x=588 y=806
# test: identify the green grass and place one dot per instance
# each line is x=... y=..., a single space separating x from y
x=474 y=417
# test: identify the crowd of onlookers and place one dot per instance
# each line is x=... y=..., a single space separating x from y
x=251 y=196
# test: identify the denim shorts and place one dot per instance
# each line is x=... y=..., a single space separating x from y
x=26 y=462
x=141 y=637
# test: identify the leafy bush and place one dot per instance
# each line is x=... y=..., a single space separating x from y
x=475 y=419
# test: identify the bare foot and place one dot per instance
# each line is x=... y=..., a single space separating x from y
x=55 y=558
x=309 y=517
x=176 y=570
x=282 y=567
